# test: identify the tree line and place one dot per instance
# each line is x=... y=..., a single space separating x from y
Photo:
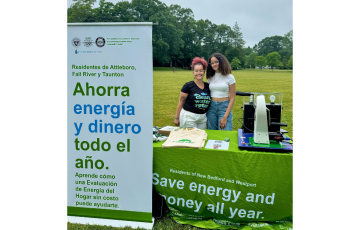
x=178 y=37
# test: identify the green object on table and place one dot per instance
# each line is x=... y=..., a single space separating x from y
x=217 y=189
x=272 y=144
x=227 y=139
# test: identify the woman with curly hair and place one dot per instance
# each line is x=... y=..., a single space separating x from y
x=223 y=91
x=194 y=99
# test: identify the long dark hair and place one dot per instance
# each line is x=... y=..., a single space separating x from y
x=224 y=65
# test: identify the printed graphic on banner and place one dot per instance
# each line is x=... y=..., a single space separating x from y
x=76 y=42
x=88 y=42
x=100 y=42
x=109 y=116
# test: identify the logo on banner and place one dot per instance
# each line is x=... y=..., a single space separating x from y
x=87 y=52
x=88 y=42
x=76 y=42
x=100 y=42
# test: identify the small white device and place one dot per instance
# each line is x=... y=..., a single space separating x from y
x=261 y=132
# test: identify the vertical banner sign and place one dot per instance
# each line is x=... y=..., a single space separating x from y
x=109 y=91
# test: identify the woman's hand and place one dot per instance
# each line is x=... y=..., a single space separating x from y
x=180 y=105
x=232 y=93
x=176 y=121
x=223 y=123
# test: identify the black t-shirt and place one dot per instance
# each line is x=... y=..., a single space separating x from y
x=198 y=100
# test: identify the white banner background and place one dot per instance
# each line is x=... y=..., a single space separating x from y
x=132 y=170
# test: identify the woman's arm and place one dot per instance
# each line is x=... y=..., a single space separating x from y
x=232 y=94
x=180 y=105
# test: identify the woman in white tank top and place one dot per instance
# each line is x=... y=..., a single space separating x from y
x=222 y=91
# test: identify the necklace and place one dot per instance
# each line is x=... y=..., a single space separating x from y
x=217 y=79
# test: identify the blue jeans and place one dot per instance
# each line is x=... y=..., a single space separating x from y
x=216 y=111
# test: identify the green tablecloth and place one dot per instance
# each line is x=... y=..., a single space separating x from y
x=217 y=188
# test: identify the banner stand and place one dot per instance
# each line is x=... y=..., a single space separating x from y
x=113 y=223
x=109 y=120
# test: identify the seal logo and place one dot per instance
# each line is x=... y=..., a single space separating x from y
x=100 y=42
x=88 y=42
x=76 y=42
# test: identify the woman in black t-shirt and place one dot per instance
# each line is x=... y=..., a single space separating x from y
x=194 y=99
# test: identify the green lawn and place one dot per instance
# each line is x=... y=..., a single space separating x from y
x=167 y=86
x=165 y=223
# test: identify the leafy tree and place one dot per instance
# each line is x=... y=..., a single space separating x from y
x=123 y=12
x=177 y=38
x=185 y=22
x=69 y=12
x=242 y=57
x=201 y=27
x=255 y=49
x=248 y=50
x=287 y=42
x=222 y=38
x=209 y=40
x=284 y=62
x=235 y=63
x=142 y=10
x=251 y=60
x=260 y=61
x=268 y=45
x=201 y=32
x=181 y=14
x=81 y=11
x=166 y=35
x=160 y=51
x=237 y=36
x=290 y=63
x=287 y=46
x=105 y=12
x=273 y=59
x=232 y=52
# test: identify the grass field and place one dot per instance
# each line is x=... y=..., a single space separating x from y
x=167 y=86
x=165 y=223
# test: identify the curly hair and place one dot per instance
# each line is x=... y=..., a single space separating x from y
x=224 y=65
x=198 y=61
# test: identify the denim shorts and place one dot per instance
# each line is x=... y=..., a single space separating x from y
x=216 y=111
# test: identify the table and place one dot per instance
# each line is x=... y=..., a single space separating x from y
x=217 y=188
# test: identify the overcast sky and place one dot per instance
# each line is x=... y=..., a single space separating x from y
x=256 y=18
